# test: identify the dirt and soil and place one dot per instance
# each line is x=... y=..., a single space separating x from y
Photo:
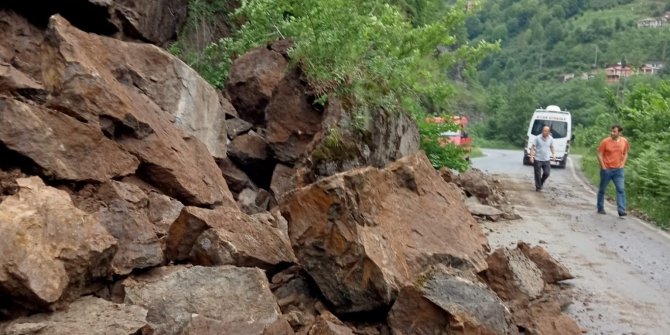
x=622 y=266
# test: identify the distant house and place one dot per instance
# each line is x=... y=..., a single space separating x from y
x=651 y=67
x=616 y=72
x=566 y=77
x=652 y=22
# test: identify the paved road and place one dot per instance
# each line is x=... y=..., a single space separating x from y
x=622 y=267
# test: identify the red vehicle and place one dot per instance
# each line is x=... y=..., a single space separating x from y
x=459 y=136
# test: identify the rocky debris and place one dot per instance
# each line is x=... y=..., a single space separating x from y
x=441 y=303
x=85 y=316
x=227 y=236
x=530 y=290
x=552 y=271
x=297 y=298
x=545 y=317
x=48 y=248
x=114 y=94
x=481 y=211
x=364 y=233
x=484 y=195
x=205 y=300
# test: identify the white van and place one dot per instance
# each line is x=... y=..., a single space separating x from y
x=560 y=123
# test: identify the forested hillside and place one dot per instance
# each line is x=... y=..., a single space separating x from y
x=542 y=39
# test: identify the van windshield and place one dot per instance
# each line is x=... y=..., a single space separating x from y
x=559 y=129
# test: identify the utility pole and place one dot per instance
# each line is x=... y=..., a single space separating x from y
x=595 y=62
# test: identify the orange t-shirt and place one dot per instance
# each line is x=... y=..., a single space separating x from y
x=613 y=152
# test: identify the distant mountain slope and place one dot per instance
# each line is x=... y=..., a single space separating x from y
x=543 y=39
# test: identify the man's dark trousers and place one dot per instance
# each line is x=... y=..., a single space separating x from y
x=542 y=170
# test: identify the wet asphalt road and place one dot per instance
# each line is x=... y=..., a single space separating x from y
x=622 y=266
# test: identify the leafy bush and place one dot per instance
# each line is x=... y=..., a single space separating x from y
x=440 y=155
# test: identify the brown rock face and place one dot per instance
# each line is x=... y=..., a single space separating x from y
x=94 y=79
x=364 y=233
x=253 y=77
x=205 y=300
x=347 y=141
x=446 y=304
x=63 y=147
x=225 y=236
x=82 y=317
x=48 y=248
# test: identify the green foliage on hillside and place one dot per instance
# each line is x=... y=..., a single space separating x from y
x=542 y=39
x=373 y=54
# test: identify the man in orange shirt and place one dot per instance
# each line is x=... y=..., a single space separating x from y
x=612 y=155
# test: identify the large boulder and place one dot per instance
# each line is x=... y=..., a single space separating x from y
x=131 y=91
x=205 y=300
x=513 y=276
x=48 y=248
x=88 y=315
x=63 y=148
x=441 y=303
x=227 y=236
x=365 y=233
x=252 y=81
x=291 y=120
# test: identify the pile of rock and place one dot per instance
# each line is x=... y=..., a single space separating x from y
x=137 y=199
